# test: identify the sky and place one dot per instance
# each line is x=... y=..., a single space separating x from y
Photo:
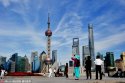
x=23 y=24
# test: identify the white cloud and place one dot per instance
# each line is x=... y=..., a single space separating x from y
x=70 y=26
x=27 y=36
x=110 y=41
x=6 y=3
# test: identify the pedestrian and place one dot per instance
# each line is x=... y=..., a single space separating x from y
x=2 y=73
x=66 y=70
x=50 y=72
x=98 y=63
x=76 y=59
x=88 y=64
x=54 y=71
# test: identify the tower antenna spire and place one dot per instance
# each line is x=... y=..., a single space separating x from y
x=48 y=21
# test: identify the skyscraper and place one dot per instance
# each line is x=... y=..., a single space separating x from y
x=21 y=64
x=14 y=57
x=54 y=56
x=75 y=46
x=13 y=66
x=35 y=62
x=42 y=58
x=33 y=54
x=48 y=34
x=36 y=65
x=85 y=53
x=14 y=61
x=27 y=64
x=91 y=43
x=2 y=60
x=109 y=61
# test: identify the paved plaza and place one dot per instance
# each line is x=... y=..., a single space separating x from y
x=41 y=79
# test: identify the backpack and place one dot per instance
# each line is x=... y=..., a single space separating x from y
x=77 y=63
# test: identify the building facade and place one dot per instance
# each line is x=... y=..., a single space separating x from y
x=91 y=43
x=123 y=59
x=85 y=53
x=75 y=46
x=2 y=60
x=109 y=61
x=33 y=54
x=54 y=56
x=14 y=61
x=27 y=64
x=36 y=65
x=13 y=66
x=35 y=62
x=119 y=64
x=42 y=59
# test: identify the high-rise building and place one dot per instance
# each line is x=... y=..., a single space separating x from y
x=35 y=62
x=42 y=59
x=91 y=43
x=27 y=64
x=21 y=64
x=33 y=54
x=42 y=56
x=109 y=61
x=54 y=56
x=2 y=60
x=75 y=46
x=14 y=59
x=13 y=67
x=85 y=53
x=8 y=66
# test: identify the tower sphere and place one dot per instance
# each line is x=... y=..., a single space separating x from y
x=48 y=33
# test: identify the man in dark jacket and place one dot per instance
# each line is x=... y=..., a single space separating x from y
x=66 y=70
x=88 y=63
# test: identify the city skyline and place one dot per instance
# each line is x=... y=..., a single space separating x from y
x=23 y=24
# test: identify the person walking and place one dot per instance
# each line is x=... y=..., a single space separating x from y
x=88 y=64
x=76 y=59
x=2 y=73
x=54 y=71
x=98 y=63
x=66 y=70
x=50 y=72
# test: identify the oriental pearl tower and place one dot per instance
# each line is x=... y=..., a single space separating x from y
x=48 y=34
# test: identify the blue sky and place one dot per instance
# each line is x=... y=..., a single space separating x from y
x=23 y=24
